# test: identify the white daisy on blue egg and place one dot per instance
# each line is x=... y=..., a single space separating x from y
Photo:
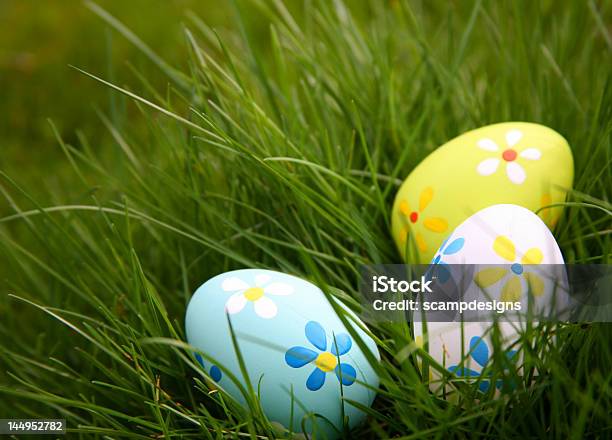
x=257 y=293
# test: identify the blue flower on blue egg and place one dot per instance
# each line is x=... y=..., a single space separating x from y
x=325 y=361
x=479 y=351
x=438 y=266
x=214 y=372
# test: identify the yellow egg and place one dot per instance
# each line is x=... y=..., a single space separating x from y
x=520 y=163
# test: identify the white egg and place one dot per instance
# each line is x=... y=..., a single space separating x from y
x=512 y=257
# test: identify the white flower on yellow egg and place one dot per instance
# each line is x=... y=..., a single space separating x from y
x=510 y=155
x=258 y=294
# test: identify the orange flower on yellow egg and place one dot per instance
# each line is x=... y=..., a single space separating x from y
x=413 y=219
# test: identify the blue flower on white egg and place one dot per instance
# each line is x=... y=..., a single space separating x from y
x=325 y=361
x=214 y=372
x=479 y=351
x=438 y=265
x=257 y=293
x=516 y=173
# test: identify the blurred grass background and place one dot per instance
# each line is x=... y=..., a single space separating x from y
x=359 y=96
x=38 y=43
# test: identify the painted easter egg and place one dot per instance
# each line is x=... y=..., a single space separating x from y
x=520 y=163
x=510 y=254
x=296 y=350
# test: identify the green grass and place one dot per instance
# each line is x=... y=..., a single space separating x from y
x=284 y=151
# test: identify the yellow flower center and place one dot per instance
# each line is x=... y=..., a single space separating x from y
x=326 y=361
x=254 y=293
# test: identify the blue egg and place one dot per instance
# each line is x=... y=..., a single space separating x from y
x=297 y=352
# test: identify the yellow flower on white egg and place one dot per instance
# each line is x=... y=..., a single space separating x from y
x=510 y=155
x=257 y=293
x=513 y=289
